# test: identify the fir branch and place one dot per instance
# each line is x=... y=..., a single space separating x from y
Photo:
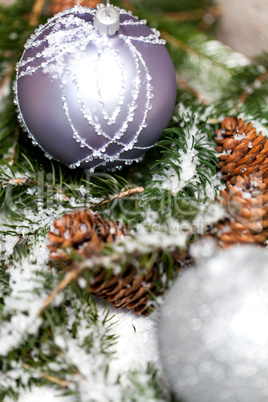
x=123 y=194
x=69 y=277
x=183 y=84
x=63 y=339
x=193 y=144
x=48 y=377
x=251 y=101
x=195 y=14
x=250 y=90
x=192 y=50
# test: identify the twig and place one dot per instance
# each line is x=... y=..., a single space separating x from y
x=73 y=274
x=62 y=285
x=48 y=377
x=13 y=149
x=36 y=12
x=25 y=180
x=16 y=181
x=122 y=194
x=193 y=15
x=187 y=87
x=6 y=78
x=250 y=89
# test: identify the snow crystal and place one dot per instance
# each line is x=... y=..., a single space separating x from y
x=8 y=244
x=246 y=195
x=82 y=282
x=239 y=137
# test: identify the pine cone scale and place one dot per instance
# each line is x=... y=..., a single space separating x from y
x=245 y=169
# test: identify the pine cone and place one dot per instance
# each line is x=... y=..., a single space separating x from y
x=243 y=151
x=82 y=231
x=59 y=5
x=85 y=233
x=243 y=160
x=130 y=290
x=246 y=204
x=134 y=288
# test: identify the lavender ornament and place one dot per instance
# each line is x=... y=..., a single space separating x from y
x=95 y=87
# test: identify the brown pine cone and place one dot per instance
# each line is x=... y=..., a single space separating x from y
x=135 y=287
x=246 y=204
x=131 y=289
x=82 y=231
x=59 y=5
x=243 y=151
x=85 y=233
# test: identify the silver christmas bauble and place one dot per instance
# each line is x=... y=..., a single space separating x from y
x=213 y=332
x=94 y=95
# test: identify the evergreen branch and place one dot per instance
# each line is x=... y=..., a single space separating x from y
x=48 y=377
x=178 y=43
x=250 y=90
x=123 y=194
x=69 y=277
x=183 y=84
x=179 y=189
x=74 y=274
x=196 y=14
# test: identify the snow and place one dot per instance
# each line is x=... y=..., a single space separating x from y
x=176 y=180
x=260 y=125
x=239 y=137
x=230 y=58
x=209 y=214
x=246 y=194
x=136 y=342
x=44 y=394
x=136 y=336
x=25 y=299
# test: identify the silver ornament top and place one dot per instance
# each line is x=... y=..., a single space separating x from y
x=107 y=19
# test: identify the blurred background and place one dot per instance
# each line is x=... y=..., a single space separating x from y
x=243 y=25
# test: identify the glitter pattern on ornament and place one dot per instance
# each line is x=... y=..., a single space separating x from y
x=90 y=99
x=213 y=332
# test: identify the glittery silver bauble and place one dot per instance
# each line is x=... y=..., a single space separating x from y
x=94 y=99
x=213 y=331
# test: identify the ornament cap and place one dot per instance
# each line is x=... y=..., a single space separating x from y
x=107 y=20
